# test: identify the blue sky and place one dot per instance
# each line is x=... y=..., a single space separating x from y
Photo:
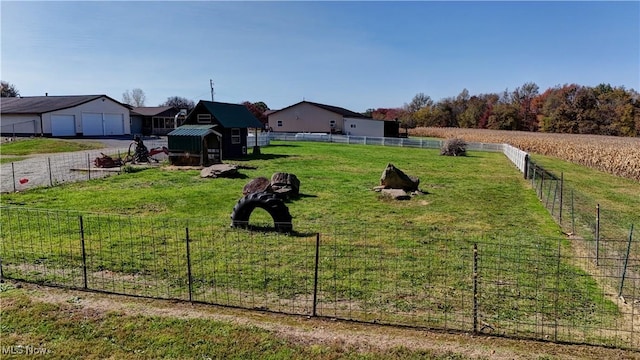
x=356 y=55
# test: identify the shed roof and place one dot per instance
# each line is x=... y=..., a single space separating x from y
x=44 y=104
x=194 y=130
x=334 y=109
x=231 y=115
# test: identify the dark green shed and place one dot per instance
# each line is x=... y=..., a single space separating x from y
x=195 y=145
x=232 y=121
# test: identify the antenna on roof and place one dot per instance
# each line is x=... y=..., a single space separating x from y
x=212 y=92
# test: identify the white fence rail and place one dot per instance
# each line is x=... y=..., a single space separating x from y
x=517 y=156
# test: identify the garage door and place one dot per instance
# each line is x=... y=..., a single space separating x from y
x=63 y=125
x=99 y=124
x=92 y=124
x=113 y=124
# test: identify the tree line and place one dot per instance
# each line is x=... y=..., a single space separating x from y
x=569 y=108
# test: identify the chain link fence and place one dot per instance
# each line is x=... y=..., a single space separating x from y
x=536 y=288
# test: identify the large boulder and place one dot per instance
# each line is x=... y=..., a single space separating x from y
x=285 y=184
x=260 y=184
x=219 y=170
x=394 y=178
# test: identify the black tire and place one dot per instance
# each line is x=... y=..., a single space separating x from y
x=265 y=200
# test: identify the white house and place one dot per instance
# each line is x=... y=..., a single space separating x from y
x=313 y=117
x=64 y=116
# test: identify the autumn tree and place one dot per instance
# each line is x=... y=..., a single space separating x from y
x=179 y=102
x=523 y=97
x=258 y=109
x=135 y=97
x=8 y=90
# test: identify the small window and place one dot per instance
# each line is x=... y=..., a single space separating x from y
x=332 y=123
x=235 y=136
x=353 y=126
x=279 y=123
x=204 y=118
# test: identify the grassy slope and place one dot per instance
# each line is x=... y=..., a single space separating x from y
x=80 y=325
x=619 y=198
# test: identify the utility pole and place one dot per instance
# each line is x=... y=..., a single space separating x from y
x=211 y=84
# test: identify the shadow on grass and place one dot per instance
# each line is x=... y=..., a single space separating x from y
x=260 y=157
x=272 y=229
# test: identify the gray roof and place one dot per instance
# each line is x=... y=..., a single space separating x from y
x=44 y=104
x=150 y=110
x=194 y=130
x=334 y=109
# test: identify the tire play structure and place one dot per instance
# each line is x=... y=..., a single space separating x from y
x=265 y=200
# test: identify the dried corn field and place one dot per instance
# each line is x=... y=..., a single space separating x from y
x=615 y=155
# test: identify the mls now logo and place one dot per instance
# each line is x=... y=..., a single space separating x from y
x=23 y=350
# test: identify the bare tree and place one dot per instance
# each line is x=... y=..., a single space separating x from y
x=135 y=97
x=8 y=90
x=179 y=102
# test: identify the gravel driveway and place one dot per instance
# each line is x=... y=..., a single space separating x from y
x=53 y=169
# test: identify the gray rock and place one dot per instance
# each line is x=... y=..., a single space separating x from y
x=285 y=184
x=257 y=185
x=219 y=170
x=396 y=194
x=394 y=178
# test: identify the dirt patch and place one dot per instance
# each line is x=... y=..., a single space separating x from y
x=314 y=331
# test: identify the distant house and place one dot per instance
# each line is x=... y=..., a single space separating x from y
x=155 y=120
x=307 y=116
x=64 y=116
x=229 y=122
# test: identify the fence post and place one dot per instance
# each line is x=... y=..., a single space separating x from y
x=50 y=177
x=315 y=277
x=561 y=190
x=557 y=295
x=189 y=278
x=597 y=234
x=13 y=173
x=555 y=196
x=526 y=166
x=573 y=215
x=475 y=287
x=626 y=261
x=84 y=254
x=88 y=166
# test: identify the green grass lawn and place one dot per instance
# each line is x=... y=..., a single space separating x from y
x=45 y=146
x=481 y=194
x=381 y=259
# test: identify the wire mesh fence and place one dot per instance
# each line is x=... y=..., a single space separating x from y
x=606 y=234
x=538 y=288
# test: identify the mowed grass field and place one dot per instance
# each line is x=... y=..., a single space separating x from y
x=480 y=194
x=478 y=198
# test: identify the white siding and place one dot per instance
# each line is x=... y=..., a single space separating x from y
x=28 y=124
x=363 y=127
x=305 y=117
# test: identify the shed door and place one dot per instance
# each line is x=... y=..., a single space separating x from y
x=113 y=124
x=63 y=125
x=92 y=124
